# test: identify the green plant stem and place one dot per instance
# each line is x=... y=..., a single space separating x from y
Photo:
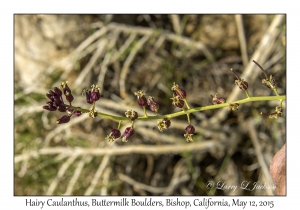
x=188 y=118
x=145 y=111
x=188 y=115
x=275 y=90
x=119 y=125
x=186 y=103
x=188 y=111
x=247 y=93
x=281 y=103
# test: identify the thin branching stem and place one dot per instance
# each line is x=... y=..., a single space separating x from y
x=145 y=111
x=247 y=93
x=188 y=111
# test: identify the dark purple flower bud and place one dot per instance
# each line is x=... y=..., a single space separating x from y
x=163 y=124
x=217 y=99
x=178 y=91
x=49 y=96
x=51 y=103
x=64 y=119
x=49 y=108
x=65 y=87
x=114 y=134
x=77 y=113
x=52 y=93
x=95 y=93
x=69 y=96
x=142 y=101
x=127 y=133
x=95 y=96
x=62 y=109
x=88 y=97
x=57 y=100
x=154 y=106
x=57 y=91
x=189 y=131
x=131 y=114
x=177 y=101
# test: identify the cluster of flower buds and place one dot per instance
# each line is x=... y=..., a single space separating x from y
x=142 y=101
x=163 y=124
x=218 y=99
x=178 y=95
x=189 y=131
x=57 y=103
x=92 y=94
x=271 y=82
x=179 y=99
x=115 y=134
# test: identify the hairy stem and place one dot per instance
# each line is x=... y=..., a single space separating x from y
x=188 y=111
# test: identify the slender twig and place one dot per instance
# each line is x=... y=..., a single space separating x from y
x=103 y=70
x=259 y=154
x=167 y=35
x=155 y=190
x=242 y=38
x=98 y=174
x=60 y=129
x=128 y=62
x=142 y=149
x=124 y=47
x=60 y=173
x=176 y=23
x=77 y=173
x=91 y=63
x=106 y=175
